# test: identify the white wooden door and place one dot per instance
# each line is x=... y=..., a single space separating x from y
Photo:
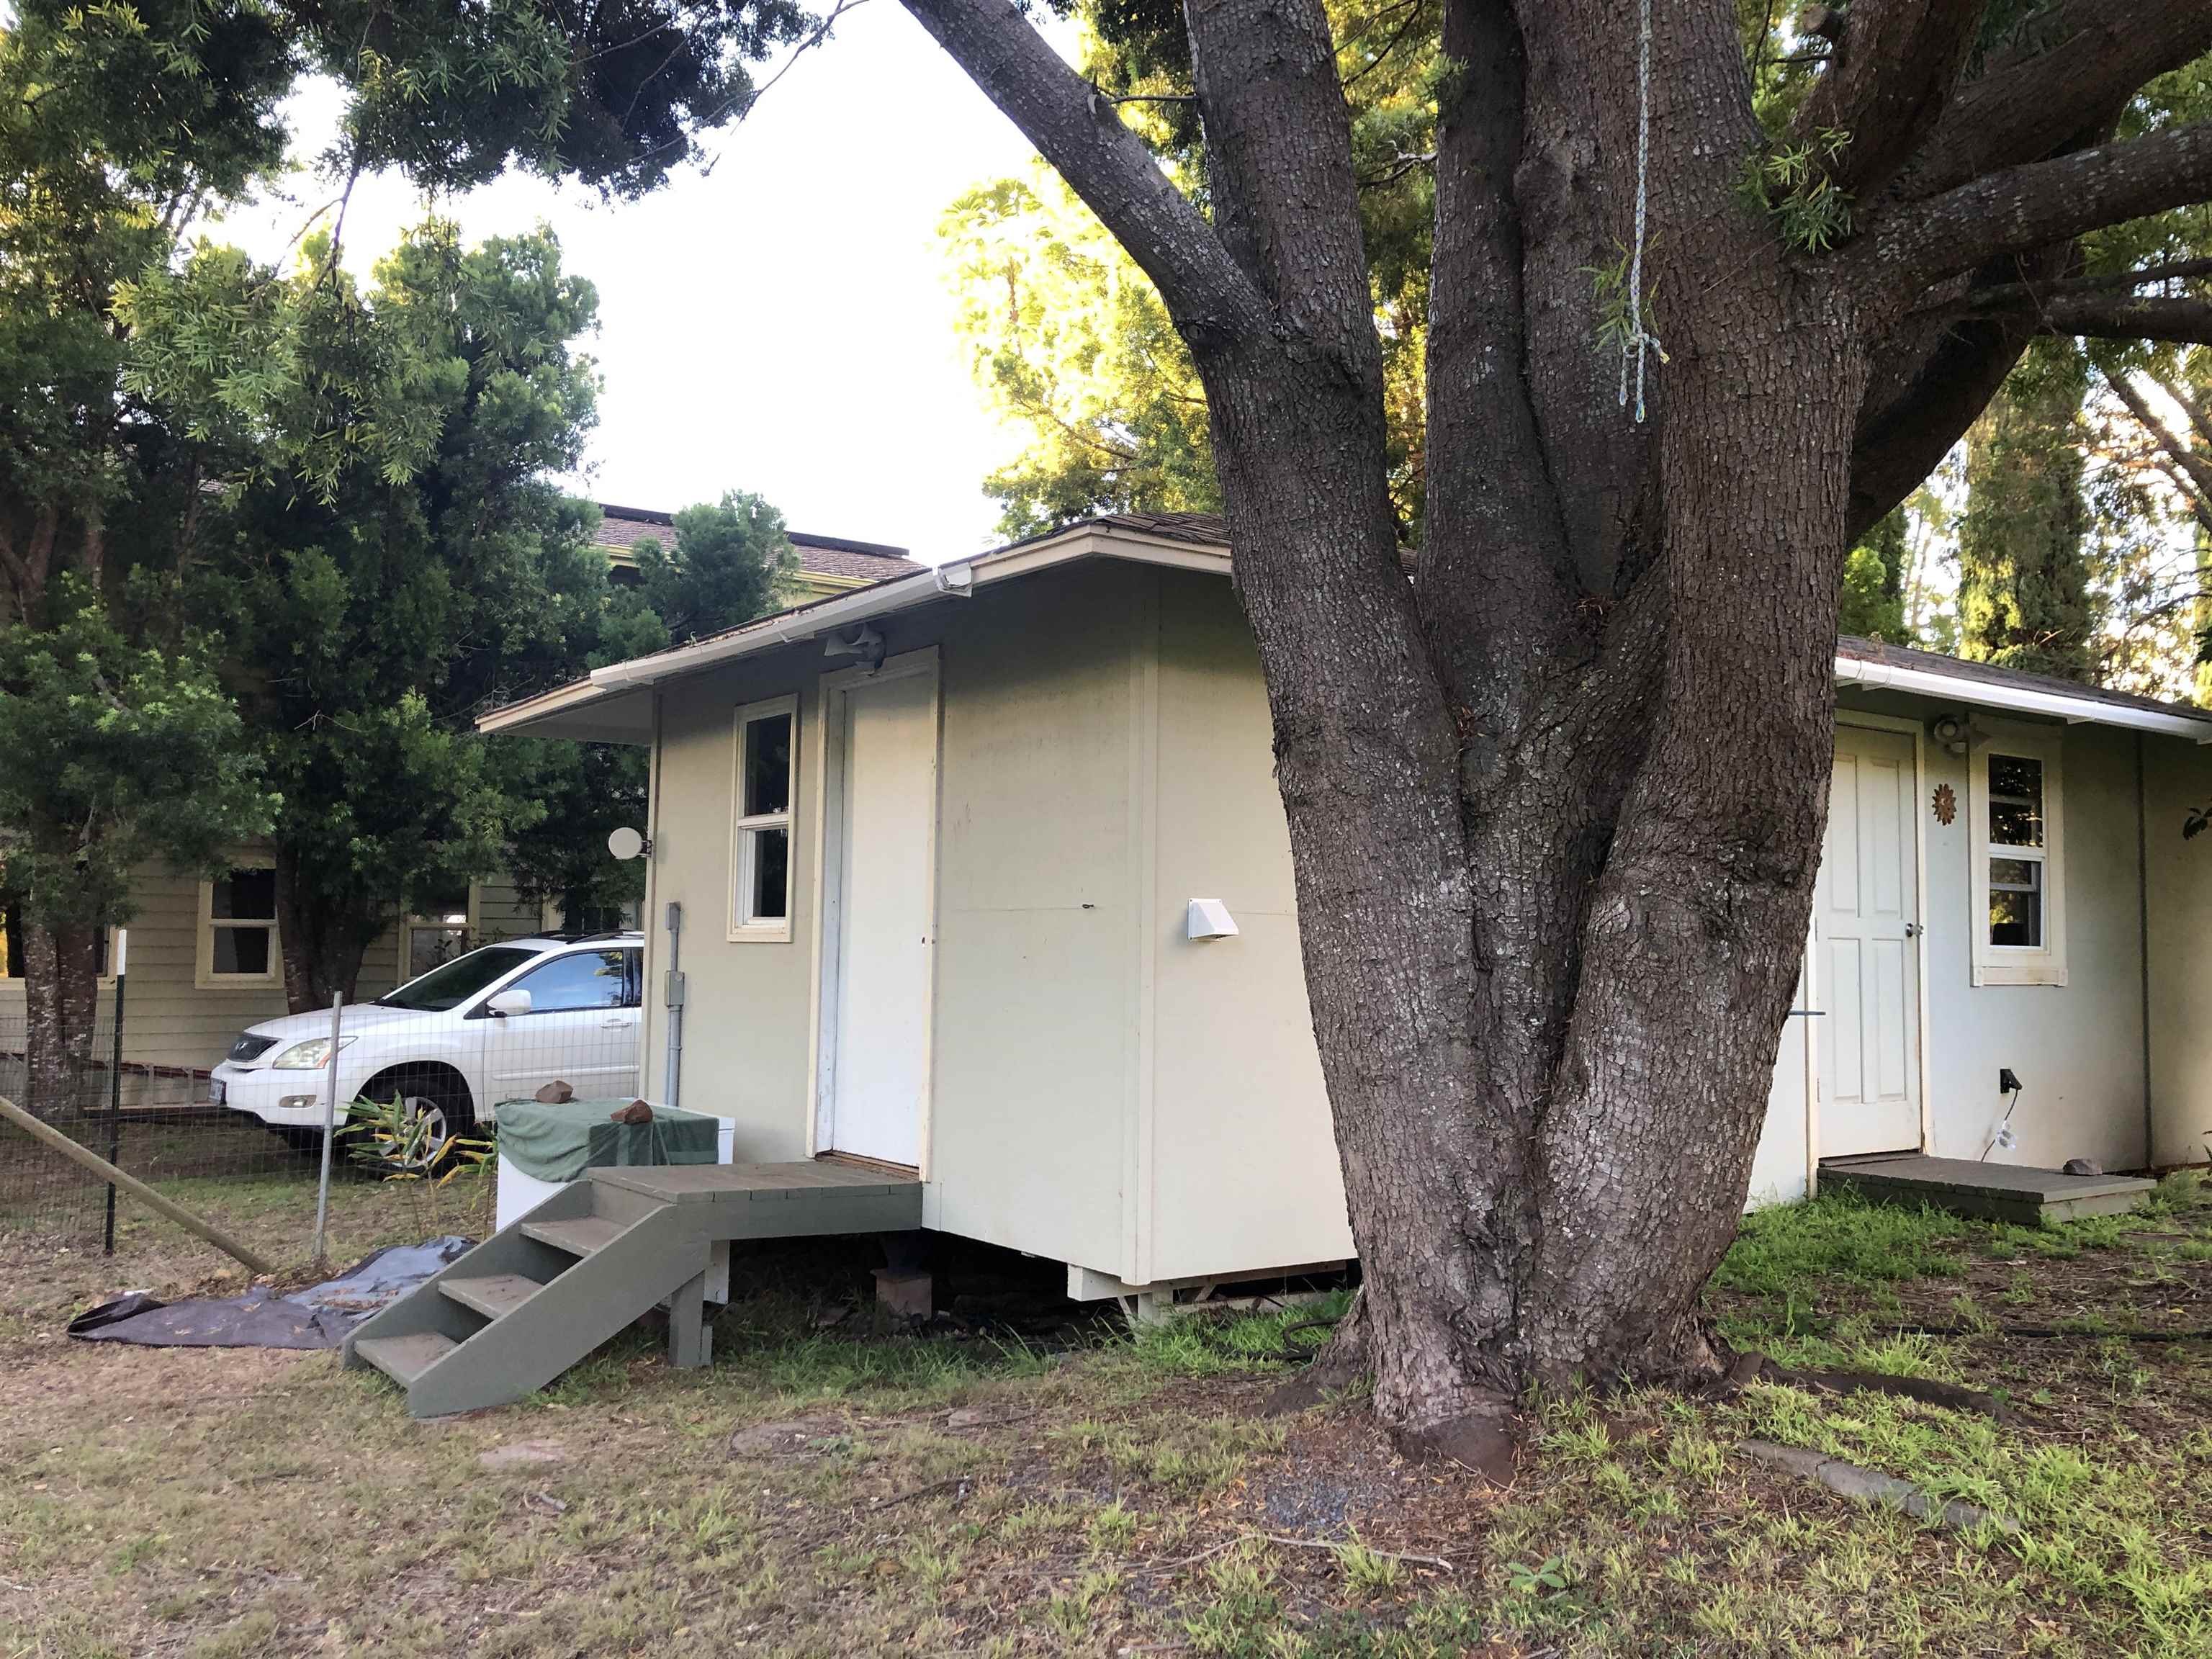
x=1867 y=927
x=885 y=918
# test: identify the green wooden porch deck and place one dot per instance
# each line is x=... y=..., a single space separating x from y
x=1993 y=1192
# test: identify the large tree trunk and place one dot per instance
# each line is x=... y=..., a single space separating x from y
x=322 y=950
x=1546 y=998
x=1551 y=920
x=61 y=999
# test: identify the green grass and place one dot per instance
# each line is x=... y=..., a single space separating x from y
x=1781 y=1251
x=1124 y=1497
x=1216 y=1345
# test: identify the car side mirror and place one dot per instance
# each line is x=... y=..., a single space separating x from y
x=508 y=1002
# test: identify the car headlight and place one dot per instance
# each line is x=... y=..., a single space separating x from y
x=309 y=1056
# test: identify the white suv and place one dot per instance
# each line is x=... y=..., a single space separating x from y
x=497 y=1023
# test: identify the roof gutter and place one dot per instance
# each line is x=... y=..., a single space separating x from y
x=2019 y=699
x=787 y=628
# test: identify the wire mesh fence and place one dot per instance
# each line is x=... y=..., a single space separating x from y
x=155 y=1121
x=420 y=1075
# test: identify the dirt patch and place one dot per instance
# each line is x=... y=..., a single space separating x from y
x=1339 y=1477
x=803 y=1437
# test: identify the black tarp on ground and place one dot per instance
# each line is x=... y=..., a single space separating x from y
x=317 y=1317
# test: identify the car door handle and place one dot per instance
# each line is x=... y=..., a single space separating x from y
x=613 y=1023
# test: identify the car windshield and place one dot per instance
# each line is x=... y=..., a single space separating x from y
x=454 y=983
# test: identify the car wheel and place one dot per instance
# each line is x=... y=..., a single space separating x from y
x=431 y=1098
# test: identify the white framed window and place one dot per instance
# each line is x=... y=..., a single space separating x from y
x=238 y=943
x=443 y=930
x=2019 y=874
x=764 y=773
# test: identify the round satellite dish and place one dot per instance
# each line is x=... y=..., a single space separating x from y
x=625 y=843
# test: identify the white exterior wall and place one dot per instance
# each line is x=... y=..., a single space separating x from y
x=1242 y=1170
x=1038 y=1027
x=2078 y=1047
x=2178 y=781
x=1107 y=1093
x=1782 y=1168
x=1035 y=1018
x=747 y=1015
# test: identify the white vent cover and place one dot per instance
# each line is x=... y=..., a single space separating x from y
x=1210 y=919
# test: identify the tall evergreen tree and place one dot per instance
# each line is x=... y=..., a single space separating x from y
x=120 y=124
x=2024 y=594
x=1873 y=601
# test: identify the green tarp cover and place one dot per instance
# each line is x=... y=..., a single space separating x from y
x=560 y=1142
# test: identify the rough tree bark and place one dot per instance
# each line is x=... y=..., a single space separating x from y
x=1557 y=804
x=322 y=949
x=61 y=995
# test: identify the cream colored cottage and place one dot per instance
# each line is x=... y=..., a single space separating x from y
x=982 y=874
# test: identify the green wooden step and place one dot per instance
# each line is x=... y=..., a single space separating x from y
x=595 y=1256
x=403 y=1358
x=1994 y=1192
x=493 y=1294
x=580 y=1236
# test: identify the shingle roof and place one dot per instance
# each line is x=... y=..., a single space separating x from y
x=821 y=556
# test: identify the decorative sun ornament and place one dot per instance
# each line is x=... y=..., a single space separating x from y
x=1947 y=804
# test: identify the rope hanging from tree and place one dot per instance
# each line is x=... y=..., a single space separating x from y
x=1639 y=338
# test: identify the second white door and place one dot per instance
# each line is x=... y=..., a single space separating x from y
x=1867 y=925
x=885 y=893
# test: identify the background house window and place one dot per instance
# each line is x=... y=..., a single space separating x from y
x=438 y=934
x=760 y=851
x=2019 y=921
x=238 y=928
x=11 y=948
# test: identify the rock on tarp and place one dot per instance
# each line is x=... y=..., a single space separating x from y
x=317 y=1317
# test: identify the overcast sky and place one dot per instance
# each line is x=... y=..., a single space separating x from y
x=781 y=323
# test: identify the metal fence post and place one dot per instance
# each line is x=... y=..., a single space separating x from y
x=330 y=1124
x=115 y=1090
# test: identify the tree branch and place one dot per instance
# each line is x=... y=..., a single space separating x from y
x=1497 y=575
x=2181 y=459
x=1999 y=295
x=18 y=572
x=2124 y=316
x=2200 y=421
x=1279 y=157
x=1103 y=160
x=2061 y=80
x=1931 y=377
x=2029 y=206
x=1892 y=70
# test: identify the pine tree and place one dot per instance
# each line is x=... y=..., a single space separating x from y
x=2024 y=597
